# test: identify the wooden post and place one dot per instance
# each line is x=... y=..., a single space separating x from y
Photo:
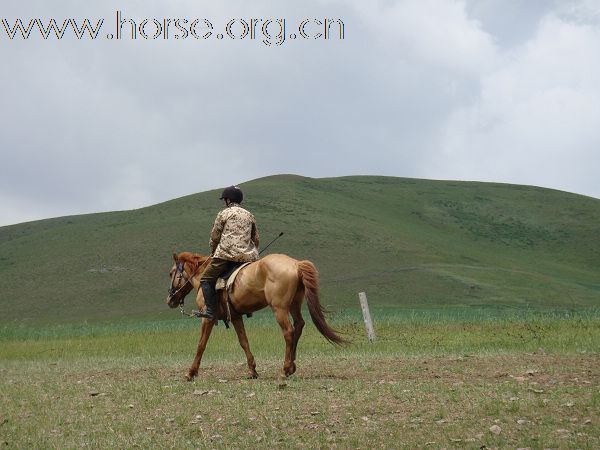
x=367 y=316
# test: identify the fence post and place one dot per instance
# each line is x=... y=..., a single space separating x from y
x=367 y=316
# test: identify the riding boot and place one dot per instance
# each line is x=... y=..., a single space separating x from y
x=210 y=300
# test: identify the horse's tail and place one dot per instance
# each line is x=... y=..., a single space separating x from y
x=309 y=277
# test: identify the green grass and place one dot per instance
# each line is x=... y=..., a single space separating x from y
x=401 y=336
x=385 y=316
x=424 y=382
x=410 y=244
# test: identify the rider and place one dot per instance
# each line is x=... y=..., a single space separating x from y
x=234 y=239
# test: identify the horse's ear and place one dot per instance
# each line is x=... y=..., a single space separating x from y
x=175 y=257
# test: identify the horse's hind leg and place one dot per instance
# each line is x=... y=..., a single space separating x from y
x=296 y=312
x=207 y=326
x=238 y=324
x=288 y=334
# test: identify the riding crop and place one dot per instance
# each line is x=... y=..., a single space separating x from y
x=280 y=234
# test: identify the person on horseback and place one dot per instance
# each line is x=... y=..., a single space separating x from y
x=234 y=239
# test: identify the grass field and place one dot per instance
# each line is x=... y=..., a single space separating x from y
x=486 y=300
x=425 y=383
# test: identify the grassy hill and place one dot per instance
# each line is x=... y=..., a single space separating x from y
x=476 y=248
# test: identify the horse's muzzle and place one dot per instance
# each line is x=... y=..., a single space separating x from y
x=173 y=302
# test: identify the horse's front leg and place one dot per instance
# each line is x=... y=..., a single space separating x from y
x=238 y=324
x=207 y=326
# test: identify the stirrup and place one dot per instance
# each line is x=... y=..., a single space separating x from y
x=204 y=314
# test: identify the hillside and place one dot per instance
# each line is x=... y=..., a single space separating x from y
x=410 y=244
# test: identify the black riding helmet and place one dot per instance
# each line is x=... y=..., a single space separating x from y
x=233 y=193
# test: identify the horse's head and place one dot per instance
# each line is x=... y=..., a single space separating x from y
x=180 y=283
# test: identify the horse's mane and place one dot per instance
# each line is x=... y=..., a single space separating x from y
x=194 y=260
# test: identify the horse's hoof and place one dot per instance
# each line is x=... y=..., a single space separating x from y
x=253 y=375
x=289 y=370
x=190 y=375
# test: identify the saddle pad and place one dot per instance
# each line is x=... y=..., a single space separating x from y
x=231 y=279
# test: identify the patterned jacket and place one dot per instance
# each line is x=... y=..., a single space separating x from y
x=234 y=236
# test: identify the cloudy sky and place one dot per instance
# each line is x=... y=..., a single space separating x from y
x=491 y=90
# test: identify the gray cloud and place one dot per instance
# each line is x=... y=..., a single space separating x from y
x=485 y=90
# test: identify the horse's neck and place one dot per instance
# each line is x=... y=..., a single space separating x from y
x=196 y=281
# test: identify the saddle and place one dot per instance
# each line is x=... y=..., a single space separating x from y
x=225 y=281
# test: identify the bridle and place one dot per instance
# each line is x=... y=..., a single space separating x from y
x=181 y=272
x=178 y=271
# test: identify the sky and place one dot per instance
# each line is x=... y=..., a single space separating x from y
x=488 y=90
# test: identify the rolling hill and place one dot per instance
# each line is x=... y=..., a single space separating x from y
x=409 y=243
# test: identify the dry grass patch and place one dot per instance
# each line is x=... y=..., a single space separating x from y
x=496 y=401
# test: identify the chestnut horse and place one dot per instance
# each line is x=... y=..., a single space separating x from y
x=277 y=281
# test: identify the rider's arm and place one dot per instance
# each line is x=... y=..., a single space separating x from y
x=217 y=230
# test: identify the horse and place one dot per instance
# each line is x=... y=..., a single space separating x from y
x=277 y=281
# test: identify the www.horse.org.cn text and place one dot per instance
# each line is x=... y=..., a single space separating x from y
x=268 y=31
